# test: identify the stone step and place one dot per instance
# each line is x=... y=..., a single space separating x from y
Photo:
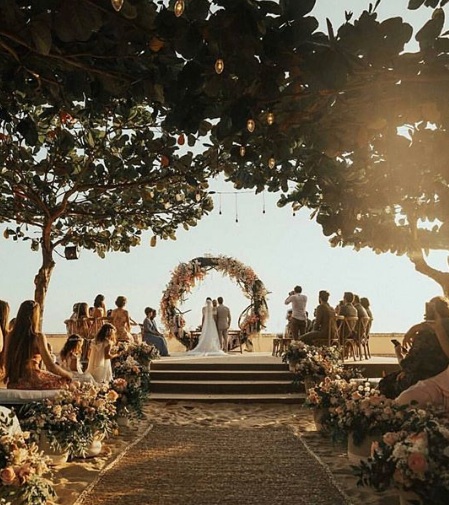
x=223 y=375
x=297 y=398
x=247 y=387
x=204 y=365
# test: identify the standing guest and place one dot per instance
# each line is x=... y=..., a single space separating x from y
x=4 y=330
x=324 y=324
x=151 y=335
x=25 y=350
x=101 y=354
x=298 y=321
x=98 y=315
x=121 y=320
x=223 y=322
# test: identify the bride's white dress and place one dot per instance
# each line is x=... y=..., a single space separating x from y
x=209 y=342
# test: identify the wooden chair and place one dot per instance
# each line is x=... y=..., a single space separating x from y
x=276 y=345
x=348 y=336
x=362 y=336
x=285 y=342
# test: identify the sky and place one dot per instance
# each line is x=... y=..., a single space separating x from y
x=283 y=249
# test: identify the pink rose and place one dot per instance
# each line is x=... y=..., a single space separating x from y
x=417 y=462
x=8 y=476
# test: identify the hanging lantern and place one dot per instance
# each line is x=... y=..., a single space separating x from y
x=179 y=8
x=242 y=151
x=250 y=125
x=270 y=118
x=198 y=197
x=153 y=241
x=179 y=197
x=219 y=66
x=272 y=162
x=117 y=4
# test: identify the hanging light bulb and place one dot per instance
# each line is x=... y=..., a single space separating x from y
x=117 y=4
x=179 y=8
x=250 y=125
x=272 y=162
x=242 y=151
x=198 y=197
x=270 y=118
x=219 y=66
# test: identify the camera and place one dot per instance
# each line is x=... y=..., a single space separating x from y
x=430 y=312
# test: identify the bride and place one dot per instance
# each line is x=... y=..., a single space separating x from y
x=209 y=342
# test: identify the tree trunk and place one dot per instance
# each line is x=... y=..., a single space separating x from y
x=42 y=279
x=421 y=266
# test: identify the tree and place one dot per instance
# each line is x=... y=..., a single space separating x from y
x=383 y=180
x=95 y=181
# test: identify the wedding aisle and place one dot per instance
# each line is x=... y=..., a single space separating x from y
x=206 y=465
x=249 y=449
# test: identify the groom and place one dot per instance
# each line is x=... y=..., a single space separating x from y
x=223 y=323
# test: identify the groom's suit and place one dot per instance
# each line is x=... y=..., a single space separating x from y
x=223 y=324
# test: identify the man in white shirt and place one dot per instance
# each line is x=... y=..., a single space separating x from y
x=298 y=321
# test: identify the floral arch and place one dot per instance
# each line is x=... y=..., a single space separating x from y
x=185 y=276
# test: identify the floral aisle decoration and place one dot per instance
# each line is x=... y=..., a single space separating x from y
x=71 y=420
x=23 y=470
x=143 y=353
x=186 y=275
x=363 y=412
x=130 y=398
x=413 y=459
x=307 y=361
x=128 y=368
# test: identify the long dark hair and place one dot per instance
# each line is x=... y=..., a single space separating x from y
x=70 y=344
x=4 y=317
x=105 y=332
x=98 y=302
x=21 y=341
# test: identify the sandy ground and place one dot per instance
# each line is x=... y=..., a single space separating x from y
x=72 y=478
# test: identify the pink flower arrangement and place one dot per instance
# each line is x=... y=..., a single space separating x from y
x=414 y=458
x=22 y=471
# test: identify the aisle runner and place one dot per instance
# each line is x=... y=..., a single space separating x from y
x=188 y=465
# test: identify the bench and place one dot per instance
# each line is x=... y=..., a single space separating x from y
x=21 y=396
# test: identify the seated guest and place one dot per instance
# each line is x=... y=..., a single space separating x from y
x=361 y=312
x=151 y=335
x=348 y=309
x=79 y=324
x=434 y=390
x=366 y=305
x=70 y=358
x=425 y=358
x=25 y=350
x=323 y=324
x=120 y=319
x=4 y=330
x=101 y=353
x=180 y=333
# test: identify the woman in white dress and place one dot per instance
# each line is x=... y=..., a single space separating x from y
x=209 y=342
x=101 y=354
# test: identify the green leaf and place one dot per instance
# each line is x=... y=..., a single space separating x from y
x=415 y=4
x=41 y=33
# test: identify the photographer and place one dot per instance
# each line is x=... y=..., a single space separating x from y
x=425 y=358
x=298 y=321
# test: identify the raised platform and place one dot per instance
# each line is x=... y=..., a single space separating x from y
x=248 y=377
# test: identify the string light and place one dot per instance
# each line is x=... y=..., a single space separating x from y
x=242 y=151
x=219 y=66
x=179 y=8
x=270 y=118
x=117 y=4
x=250 y=125
x=272 y=162
x=236 y=210
x=263 y=202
